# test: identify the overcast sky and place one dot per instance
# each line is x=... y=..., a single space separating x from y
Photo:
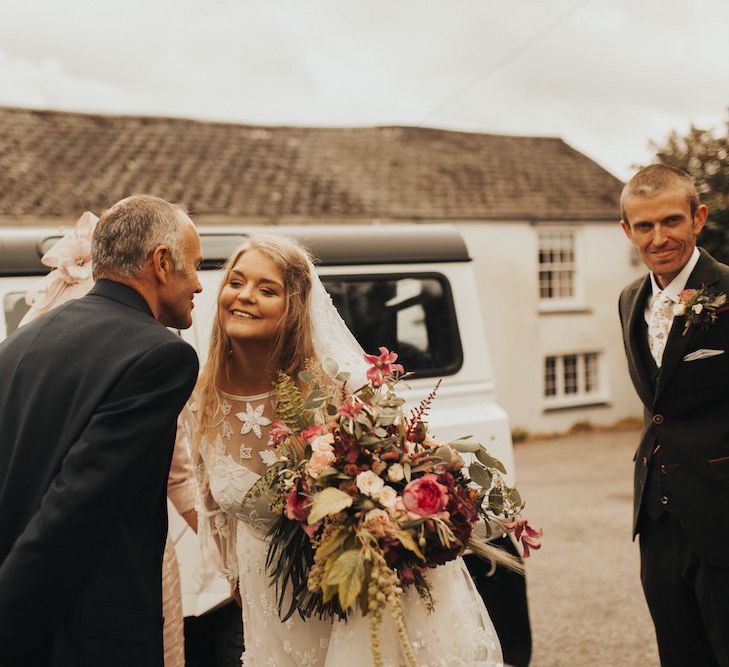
x=605 y=75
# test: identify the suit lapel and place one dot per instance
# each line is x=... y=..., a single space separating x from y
x=703 y=275
x=638 y=372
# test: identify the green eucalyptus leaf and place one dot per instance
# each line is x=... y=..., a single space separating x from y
x=445 y=453
x=331 y=368
x=314 y=400
x=489 y=461
x=343 y=376
x=306 y=377
x=480 y=475
x=331 y=409
x=363 y=419
x=496 y=501
x=465 y=447
x=514 y=496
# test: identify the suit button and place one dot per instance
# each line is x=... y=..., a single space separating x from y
x=657 y=419
x=664 y=500
x=663 y=468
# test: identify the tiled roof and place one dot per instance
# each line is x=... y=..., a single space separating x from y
x=57 y=163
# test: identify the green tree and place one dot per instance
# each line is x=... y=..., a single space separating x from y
x=705 y=155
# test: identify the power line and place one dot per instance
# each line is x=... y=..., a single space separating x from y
x=507 y=58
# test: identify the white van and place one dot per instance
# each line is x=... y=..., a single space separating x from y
x=410 y=288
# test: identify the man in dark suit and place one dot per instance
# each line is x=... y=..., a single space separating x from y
x=90 y=395
x=676 y=334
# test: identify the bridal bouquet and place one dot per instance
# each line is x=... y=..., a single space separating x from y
x=366 y=501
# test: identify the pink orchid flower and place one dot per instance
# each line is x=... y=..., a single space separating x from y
x=525 y=534
x=383 y=366
x=350 y=410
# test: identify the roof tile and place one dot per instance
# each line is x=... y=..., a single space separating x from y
x=58 y=163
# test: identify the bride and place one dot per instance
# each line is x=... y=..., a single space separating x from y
x=273 y=314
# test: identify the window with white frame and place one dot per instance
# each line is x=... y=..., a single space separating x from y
x=557 y=265
x=572 y=378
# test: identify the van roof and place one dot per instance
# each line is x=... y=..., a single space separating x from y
x=21 y=248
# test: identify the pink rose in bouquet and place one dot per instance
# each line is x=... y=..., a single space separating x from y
x=425 y=496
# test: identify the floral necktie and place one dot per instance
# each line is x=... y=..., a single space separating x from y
x=659 y=325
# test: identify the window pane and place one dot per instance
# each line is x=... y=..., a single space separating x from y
x=570 y=373
x=591 y=372
x=556 y=260
x=550 y=376
x=545 y=284
x=414 y=316
x=565 y=284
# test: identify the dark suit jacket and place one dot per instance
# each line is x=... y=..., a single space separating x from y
x=687 y=414
x=90 y=396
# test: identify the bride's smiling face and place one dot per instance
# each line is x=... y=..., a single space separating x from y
x=253 y=300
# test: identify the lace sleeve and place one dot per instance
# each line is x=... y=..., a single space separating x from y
x=180 y=484
x=216 y=528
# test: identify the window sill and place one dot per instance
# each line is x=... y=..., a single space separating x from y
x=564 y=309
x=576 y=404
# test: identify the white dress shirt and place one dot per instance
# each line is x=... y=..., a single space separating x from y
x=674 y=288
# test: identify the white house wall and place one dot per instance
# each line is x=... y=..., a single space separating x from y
x=520 y=337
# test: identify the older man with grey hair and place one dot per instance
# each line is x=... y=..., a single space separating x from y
x=91 y=393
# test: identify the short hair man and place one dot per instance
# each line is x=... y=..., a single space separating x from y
x=676 y=335
x=91 y=393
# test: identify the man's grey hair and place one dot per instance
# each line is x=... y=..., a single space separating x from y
x=128 y=232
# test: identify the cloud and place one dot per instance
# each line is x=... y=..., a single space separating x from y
x=46 y=84
x=608 y=78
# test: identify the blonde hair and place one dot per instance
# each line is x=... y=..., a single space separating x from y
x=292 y=343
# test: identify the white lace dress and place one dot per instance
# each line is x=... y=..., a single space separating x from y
x=233 y=456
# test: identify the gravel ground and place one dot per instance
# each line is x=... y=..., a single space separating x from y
x=585 y=597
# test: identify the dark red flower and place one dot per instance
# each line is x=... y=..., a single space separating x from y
x=407 y=575
x=298 y=505
x=525 y=534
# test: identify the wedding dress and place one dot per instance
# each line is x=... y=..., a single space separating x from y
x=232 y=455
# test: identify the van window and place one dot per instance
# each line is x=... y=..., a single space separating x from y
x=14 y=307
x=412 y=314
